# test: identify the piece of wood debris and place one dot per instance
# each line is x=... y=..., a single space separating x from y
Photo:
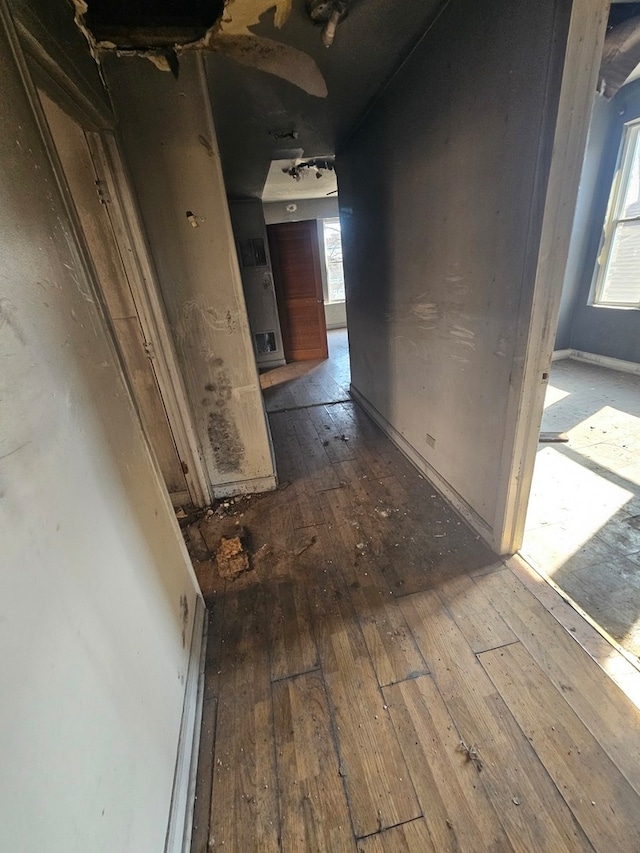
x=553 y=438
x=304 y=544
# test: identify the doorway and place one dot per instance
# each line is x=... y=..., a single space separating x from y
x=582 y=528
x=326 y=378
x=91 y=199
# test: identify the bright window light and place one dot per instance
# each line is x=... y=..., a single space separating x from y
x=333 y=259
x=618 y=269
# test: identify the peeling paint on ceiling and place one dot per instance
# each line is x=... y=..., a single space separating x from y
x=230 y=34
x=239 y=15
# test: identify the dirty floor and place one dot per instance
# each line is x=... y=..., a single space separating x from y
x=308 y=383
x=379 y=682
x=583 y=524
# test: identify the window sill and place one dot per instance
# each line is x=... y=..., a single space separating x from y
x=614 y=307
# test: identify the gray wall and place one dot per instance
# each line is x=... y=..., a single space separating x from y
x=247 y=218
x=97 y=594
x=440 y=193
x=170 y=145
x=613 y=332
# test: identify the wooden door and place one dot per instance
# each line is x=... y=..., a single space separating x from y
x=295 y=256
x=78 y=167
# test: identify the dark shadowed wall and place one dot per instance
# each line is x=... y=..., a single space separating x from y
x=440 y=196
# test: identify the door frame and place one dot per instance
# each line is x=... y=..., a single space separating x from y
x=123 y=214
x=538 y=321
x=98 y=126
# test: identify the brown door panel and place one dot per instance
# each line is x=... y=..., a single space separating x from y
x=295 y=257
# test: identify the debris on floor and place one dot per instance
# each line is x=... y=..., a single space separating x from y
x=472 y=754
x=231 y=557
x=303 y=545
x=553 y=438
x=196 y=546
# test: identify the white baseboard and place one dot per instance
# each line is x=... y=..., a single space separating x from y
x=594 y=358
x=178 y=839
x=245 y=487
x=437 y=481
x=606 y=361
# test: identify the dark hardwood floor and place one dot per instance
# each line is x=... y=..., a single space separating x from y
x=379 y=681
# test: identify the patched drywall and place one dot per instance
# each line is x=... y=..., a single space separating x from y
x=169 y=142
x=439 y=198
x=96 y=590
x=257 y=277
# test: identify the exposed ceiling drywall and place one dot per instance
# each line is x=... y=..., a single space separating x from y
x=280 y=186
x=260 y=117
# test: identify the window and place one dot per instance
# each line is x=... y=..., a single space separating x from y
x=333 y=259
x=618 y=270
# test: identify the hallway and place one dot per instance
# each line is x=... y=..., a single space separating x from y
x=310 y=383
x=378 y=682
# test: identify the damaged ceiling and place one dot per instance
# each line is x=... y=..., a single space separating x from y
x=139 y=24
x=261 y=117
x=277 y=90
x=291 y=78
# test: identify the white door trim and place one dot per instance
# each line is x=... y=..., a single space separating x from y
x=537 y=327
x=123 y=213
x=183 y=797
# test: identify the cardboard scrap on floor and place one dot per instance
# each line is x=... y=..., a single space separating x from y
x=231 y=557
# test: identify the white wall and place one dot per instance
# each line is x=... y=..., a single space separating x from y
x=170 y=144
x=306 y=208
x=96 y=592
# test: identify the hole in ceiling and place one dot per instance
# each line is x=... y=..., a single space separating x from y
x=151 y=23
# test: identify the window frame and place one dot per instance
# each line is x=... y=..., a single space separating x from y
x=617 y=194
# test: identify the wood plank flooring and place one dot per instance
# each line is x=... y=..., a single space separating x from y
x=380 y=682
x=310 y=383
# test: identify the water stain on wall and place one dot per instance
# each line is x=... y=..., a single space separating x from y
x=226 y=444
